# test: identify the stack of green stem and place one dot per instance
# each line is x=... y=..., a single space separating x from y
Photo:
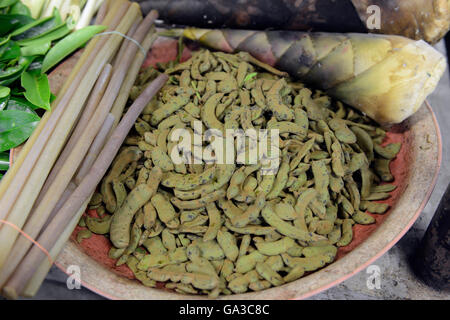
x=63 y=150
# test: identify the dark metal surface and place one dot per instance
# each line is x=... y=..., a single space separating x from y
x=433 y=259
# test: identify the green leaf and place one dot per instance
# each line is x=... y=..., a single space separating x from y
x=9 y=51
x=37 y=89
x=10 y=74
x=15 y=128
x=55 y=34
x=4 y=161
x=38 y=28
x=68 y=45
x=4 y=102
x=7 y=3
x=11 y=22
x=19 y=8
x=4 y=92
x=35 y=50
x=4 y=40
x=36 y=65
x=17 y=103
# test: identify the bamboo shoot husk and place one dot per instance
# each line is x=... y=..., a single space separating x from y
x=386 y=77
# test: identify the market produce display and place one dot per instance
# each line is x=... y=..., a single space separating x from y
x=226 y=228
x=44 y=191
x=386 y=77
x=132 y=155
x=33 y=39
x=416 y=19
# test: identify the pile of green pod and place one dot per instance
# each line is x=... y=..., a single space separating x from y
x=223 y=228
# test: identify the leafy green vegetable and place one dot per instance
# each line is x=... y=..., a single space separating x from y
x=4 y=102
x=4 y=161
x=11 y=74
x=4 y=92
x=35 y=50
x=19 y=8
x=38 y=28
x=37 y=89
x=7 y=3
x=9 y=51
x=12 y=22
x=26 y=53
x=68 y=45
x=17 y=103
x=15 y=128
x=55 y=34
x=13 y=67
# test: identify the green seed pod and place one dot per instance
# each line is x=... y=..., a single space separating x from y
x=83 y=234
x=98 y=226
x=347 y=233
x=363 y=218
x=374 y=207
x=228 y=244
x=382 y=168
x=275 y=248
x=388 y=152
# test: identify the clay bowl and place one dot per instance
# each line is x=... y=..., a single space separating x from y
x=415 y=171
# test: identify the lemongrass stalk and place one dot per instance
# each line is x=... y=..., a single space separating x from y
x=37 y=279
x=125 y=43
x=86 y=116
x=22 y=206
x=95 y=149
x=14 y=186
x=87 y=14
x=50 y=235
x=38 y=218
x=119 y=8
x=88 y=161
x=39 y=276
x=102 y=12
x=121 y=101
x=85 y=133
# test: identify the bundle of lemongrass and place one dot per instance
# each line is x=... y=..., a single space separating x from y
x=48 y=188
